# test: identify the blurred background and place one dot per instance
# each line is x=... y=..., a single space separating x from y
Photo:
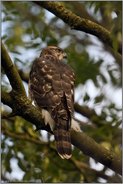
x=29 y=156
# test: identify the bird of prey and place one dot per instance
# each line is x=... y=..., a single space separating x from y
x=51 y=87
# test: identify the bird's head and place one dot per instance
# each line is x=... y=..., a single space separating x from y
x=54 y=51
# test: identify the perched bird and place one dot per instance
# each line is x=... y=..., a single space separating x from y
x=51 y=87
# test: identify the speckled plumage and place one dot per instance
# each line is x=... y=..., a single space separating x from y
x=51 y=87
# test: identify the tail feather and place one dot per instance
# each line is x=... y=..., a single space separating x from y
x=63 y=140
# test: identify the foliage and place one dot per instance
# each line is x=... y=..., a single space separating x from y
x=26 y=29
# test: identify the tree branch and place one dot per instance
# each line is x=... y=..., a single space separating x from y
x=89 y=113
x=84 y=110
x=81 y=24
x=11 y=71
x=23 y=107
x=89 y=147
x=84 y=168
x=6 y=98
x=22 y=136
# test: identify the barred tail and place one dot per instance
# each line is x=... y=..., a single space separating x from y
x=63 y=139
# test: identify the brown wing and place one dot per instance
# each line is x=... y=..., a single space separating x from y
x=68 y=79
x=41 y=87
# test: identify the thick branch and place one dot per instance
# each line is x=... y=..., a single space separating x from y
x=6 y=98
x=23 y=107
x=81 y=24
x=11 y=71
x=89 y=147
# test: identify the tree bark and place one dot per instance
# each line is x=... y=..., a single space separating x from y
x=78 y=23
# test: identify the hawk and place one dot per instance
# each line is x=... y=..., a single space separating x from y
x=51 y=87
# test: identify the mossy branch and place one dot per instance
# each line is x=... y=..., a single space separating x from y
x=78 y=23
x=11 y=71
x=91 y=148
